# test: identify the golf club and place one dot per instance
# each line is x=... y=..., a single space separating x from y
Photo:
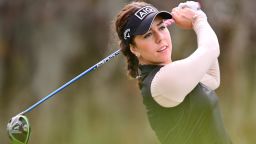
x=19 y=128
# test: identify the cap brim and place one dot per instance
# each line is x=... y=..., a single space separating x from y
x=147 y=22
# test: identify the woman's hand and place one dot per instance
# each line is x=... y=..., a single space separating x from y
x=183 y=17
x=185 y=14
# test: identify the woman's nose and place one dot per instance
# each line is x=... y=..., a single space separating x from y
x=158 y=37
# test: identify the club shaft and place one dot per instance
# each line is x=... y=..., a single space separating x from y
x=71 y=81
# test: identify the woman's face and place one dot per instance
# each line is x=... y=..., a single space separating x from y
x=155 y=46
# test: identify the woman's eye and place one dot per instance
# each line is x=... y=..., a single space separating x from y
x=147 y=35
x=162 y=27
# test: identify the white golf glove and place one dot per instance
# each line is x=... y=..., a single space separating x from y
x=190 y=4
x=200 y=15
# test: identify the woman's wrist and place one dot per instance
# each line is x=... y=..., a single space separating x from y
x=199 y=19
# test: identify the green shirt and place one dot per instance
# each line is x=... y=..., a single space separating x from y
x=196 y=120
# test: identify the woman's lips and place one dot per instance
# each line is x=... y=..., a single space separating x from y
x=162 y=49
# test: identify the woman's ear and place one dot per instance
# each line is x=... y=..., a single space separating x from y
x=134 y=50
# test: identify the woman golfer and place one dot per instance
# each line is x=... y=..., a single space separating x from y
x=179 y=96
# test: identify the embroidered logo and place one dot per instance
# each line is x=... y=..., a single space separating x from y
x=143 y=12
x=127 y=34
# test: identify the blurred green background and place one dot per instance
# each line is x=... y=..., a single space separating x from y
x=45 y=43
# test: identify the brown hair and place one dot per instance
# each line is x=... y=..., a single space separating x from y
x=120 y=22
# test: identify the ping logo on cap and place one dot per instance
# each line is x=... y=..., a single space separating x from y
x=127 y=34
x=141 y=13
